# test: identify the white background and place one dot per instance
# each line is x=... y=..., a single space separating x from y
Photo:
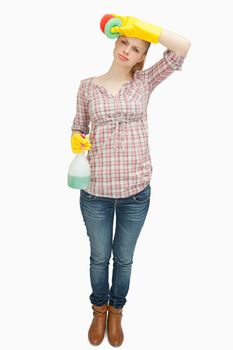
x=181 y=287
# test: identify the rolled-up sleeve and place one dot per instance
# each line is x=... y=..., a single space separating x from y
x=162 y=69
x=82 y=119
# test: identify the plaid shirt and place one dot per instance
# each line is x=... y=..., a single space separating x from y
x=119 y=158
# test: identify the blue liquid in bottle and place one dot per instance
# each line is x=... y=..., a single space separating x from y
x=78 y=182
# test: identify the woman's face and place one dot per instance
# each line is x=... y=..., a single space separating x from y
x=131 y=48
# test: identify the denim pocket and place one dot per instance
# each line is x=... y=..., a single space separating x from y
x=87 y=195
x=143 y=196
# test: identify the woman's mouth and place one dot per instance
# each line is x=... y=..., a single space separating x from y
x=123 y=58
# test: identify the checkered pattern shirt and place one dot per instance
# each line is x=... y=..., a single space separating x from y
x=119 y=158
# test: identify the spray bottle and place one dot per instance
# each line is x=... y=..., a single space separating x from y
x=79 y=173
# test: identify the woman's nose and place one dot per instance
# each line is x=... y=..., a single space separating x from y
x=127 y=51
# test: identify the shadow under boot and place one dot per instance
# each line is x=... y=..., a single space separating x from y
x=115 y=332
x=98 y=326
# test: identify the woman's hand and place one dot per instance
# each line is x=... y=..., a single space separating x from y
x=79 y=143
x=134 y=27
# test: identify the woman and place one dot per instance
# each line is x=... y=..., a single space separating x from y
x=115 y=103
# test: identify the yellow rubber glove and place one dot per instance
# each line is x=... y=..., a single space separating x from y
x=134 y=27
x=79 y=143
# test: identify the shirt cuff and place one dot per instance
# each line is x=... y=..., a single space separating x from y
x=173 y=60
x=82 y=132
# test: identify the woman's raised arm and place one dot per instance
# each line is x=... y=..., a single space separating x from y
x=175 y=42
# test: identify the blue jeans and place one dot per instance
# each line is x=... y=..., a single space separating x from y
x=98 y=215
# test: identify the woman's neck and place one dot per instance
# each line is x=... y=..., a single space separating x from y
x=118 y=74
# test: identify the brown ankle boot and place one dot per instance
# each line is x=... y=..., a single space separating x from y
x=115 y=332
x=98 y=326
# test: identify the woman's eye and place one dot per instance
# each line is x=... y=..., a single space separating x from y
x=125 y=43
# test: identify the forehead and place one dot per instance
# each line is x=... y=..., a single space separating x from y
x=134 y=41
